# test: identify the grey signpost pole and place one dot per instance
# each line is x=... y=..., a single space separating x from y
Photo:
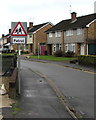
x=19 y=52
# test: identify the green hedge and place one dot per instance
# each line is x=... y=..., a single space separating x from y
x=87 y=60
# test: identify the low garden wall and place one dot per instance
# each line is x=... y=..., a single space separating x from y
x=9 y=74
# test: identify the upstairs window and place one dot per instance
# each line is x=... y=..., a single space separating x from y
x=50 y=35
x=57 y=34
x=79 y=31
x=69 y=33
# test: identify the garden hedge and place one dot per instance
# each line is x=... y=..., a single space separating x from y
x=87 y=60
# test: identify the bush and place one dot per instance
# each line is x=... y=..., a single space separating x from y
x=24 y=52
x=58 y=53
x=69 y=54
x=89 y=60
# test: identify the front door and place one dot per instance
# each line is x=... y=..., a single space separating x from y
x=91 y=49
x=50 y=49
x=42 y=49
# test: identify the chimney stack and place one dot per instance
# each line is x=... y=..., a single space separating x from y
x=73 y=16
x=9 y=31
x=30 y=24
x=2 y=35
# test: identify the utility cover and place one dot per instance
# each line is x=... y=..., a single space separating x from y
x=19 y=30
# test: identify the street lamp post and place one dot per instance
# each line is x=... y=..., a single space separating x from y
x=38 y=51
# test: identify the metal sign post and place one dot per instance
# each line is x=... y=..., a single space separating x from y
x=19 y=51
x=18 y=36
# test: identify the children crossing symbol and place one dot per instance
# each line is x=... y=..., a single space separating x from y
x=19 y=30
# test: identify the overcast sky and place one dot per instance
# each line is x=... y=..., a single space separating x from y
x=40 y=11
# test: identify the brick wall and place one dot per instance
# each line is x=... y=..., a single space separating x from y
x=40 y=36
x=92 y=31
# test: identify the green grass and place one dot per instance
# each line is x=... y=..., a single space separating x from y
x=53 y=58
x=9 y=54
x=16 y=109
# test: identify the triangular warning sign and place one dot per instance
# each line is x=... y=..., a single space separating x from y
x=19 y=30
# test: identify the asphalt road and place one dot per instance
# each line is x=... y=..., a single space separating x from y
x=77 y=86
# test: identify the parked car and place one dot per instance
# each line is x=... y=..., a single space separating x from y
x=4 y=50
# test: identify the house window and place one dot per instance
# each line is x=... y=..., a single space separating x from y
x=70 y=47
x=66 y=47
x=30 y=36
x=69 y=33
x=57 y=47
x=60 y=47
x=50 y=35
x=57 y=34
x=73 y=47
x=79 y=31
x=25 y=47
x=54 y=47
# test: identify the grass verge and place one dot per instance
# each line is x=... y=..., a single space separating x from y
x=53 y=58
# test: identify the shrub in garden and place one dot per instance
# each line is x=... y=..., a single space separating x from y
x=87 y=60
x=58 y=53
x=69 y=54
x=25 y=52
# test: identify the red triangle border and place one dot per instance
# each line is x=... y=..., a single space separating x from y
x=18 y=34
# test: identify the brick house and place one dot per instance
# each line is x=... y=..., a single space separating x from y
x=77 y=34
x=37 y=38
x=5 y=41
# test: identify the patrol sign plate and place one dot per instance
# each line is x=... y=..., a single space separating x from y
x=19 y=40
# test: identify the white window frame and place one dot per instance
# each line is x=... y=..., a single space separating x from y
x=57 y=34
x=69 y=32
x=79 y=31
x=54 y=47
x=73 y=47
x=50 y=35
x=25 y=47
x=60 y=47
x=66 y=47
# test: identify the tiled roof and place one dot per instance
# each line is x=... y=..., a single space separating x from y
x=36 y=27
x=80 y=22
